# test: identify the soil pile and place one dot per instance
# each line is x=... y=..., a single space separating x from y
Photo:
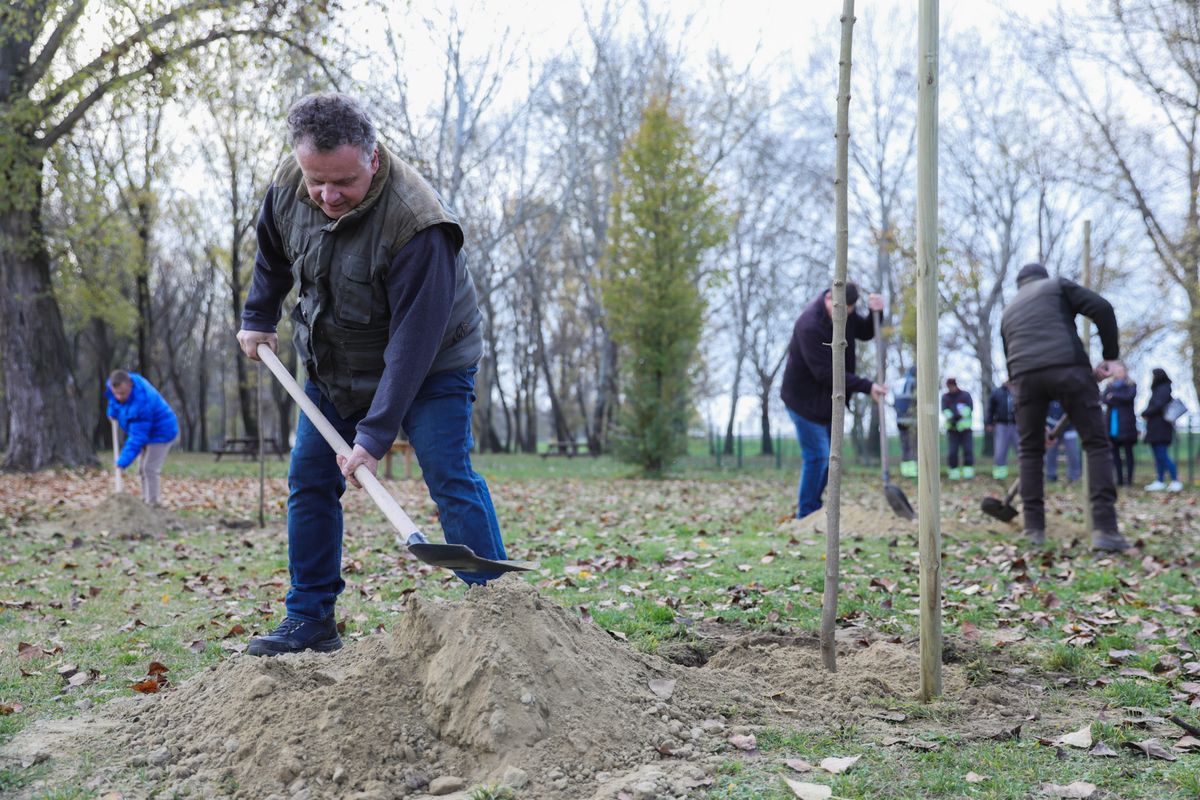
x=500 y=686
x=123 y=515
x=857 y=520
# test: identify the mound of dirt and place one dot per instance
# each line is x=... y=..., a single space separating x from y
x=127 y=516
x=792 y=673
x=855 y=520
x=500 y=686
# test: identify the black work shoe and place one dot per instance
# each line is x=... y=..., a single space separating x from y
x=295 y=635
x=1109 y=542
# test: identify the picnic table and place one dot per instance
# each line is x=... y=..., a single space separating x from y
x=247 y=448
x=568 y=449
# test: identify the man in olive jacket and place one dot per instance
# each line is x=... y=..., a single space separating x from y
x=1046 y=361
x=389 y=329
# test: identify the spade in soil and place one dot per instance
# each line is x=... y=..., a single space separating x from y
x=450 y=556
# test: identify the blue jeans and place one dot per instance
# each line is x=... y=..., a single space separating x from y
x=1163 y=463
x=439 y=427
x=1069 y=442
x=814 y=473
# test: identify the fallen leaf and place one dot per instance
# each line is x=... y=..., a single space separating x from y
x=1079 y=738
x=197 y=646
x=975 y=777
x=809 y=791
x=747 y=742
x=1186 y=743
x=838 y=765
x=13 y=708
x=236 y=630
x=81 y=678
x=799 y=764
x=663 y=688
x=156 y=668
x=148 y=686
x=26 y=651
x=1153 y=749
x=1101 y=750
x=1078 y=789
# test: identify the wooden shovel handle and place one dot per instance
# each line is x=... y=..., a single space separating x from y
x=387 y=504
x=118 y=483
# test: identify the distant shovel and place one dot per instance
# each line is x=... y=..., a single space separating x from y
x=1004 y=510
x=894 y=494
x=450 y=556
x=118 y=485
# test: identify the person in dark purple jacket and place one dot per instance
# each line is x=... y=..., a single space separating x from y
x=807 y=389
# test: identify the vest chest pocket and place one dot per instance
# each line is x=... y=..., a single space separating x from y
x=353 y=292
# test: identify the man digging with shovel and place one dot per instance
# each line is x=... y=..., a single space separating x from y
x=389 y=329
x=1046 y=361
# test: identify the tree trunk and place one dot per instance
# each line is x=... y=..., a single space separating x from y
x=45 y=423
x=145 y=325
x=764 y=400
x=284 y=404
x=606 y=394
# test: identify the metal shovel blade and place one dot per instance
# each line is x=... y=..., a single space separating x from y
x=898 y=501
x=462 y=558
x=998 y=509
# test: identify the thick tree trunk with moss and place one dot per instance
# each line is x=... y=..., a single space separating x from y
x=44 y=416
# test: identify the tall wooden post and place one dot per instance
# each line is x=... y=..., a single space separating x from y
x=928 y=488
x=1087 y=349
x=833 y=508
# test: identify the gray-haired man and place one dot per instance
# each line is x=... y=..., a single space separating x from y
x=389 y=329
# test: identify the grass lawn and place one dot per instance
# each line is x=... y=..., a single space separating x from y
x=655 y=562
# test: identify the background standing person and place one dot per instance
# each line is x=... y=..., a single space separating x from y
x=1068 y=440
x=1160 y=433
x=1001 y=419
x=906 y=422
x=1046 y=361
x=389 y=329
x=150 y=428
x=807 y=388
x=956 y=410
x=1119 y=397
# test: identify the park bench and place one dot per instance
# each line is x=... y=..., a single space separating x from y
x=247 y=448
x=568 y=449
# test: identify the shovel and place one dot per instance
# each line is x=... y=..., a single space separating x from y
x=118 y=484
x=1004 y=510
x=450 y=556
x=894 y=494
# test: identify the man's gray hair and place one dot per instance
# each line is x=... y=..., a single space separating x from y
x=328 y=120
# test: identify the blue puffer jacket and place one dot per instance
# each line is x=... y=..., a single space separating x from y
x=144 y=416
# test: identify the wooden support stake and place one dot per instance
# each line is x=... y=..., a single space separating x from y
x=833 y=509
x=928 y=488
x=1087 y=349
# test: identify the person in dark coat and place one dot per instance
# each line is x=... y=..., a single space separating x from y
x=1046 y=361
x=1000 y=419
x=1160 y=433
x=906 y=422
x=956 y=410
x=807 y=388
x=1121 y=422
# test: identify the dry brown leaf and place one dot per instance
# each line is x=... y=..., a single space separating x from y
x=1153 y=749
x=1101 y=750
x=1078 y=789
x=838 y=765
x=1080 y=738
x=799 y=764
x=975 y=777
x=1186 y=743
x=148 y=686
x=809 y=791
x=156 y=668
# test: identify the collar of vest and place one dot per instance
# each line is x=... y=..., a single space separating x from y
x=379 y=182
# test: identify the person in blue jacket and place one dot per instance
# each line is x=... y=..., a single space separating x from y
x=1118 y=399
x=149 y=424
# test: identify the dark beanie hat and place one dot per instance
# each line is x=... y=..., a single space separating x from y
x=1031 y=272
x=851 y=293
